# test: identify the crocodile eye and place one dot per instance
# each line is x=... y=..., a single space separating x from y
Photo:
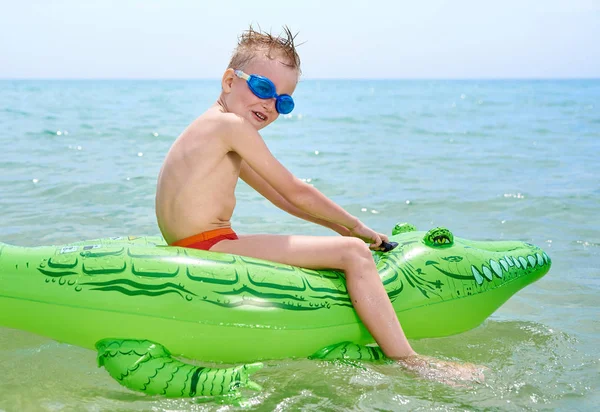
x=439 y=237
x=403 y=228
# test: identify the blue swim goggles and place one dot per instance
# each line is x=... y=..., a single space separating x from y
x=265 y=89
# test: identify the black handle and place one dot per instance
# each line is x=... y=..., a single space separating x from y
x=387 y=246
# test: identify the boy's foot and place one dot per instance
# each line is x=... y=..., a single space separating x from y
x=450 y=373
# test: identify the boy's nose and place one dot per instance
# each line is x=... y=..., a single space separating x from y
x=269 y=104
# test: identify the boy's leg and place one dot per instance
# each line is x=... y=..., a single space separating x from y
x=349 y=254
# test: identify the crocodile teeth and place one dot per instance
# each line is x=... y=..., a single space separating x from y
x=487 y=272
x=523 y=262
x=532 y=260
x=496 y=268
x=510 y=261
x=504 y=264
x=478 y=277
x=540 y=259
x=517 y=263
x=546 y=258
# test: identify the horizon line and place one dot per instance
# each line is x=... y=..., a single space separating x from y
x=301 y=79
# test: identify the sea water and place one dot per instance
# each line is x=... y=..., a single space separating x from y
x=487 y=159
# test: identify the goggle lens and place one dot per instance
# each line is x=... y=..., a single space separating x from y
x=261 y=87
x=284 y=104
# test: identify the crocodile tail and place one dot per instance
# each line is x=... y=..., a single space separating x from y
x=146 y=366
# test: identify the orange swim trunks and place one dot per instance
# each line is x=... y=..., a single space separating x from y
x=206 y=240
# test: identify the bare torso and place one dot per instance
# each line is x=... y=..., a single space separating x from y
x=196 y=185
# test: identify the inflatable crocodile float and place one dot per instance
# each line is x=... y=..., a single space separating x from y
x=129 y=296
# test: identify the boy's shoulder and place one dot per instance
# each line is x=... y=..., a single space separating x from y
x=212 y=123
x=219 y=119
x=223 y=123
x=230 y=129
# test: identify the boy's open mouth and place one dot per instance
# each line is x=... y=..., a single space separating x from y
x=260 y=116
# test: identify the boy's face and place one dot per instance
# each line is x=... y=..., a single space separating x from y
x=260 y=112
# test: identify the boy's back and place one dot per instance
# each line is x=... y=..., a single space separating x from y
x=196 y=184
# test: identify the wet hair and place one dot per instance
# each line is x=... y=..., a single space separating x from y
x=252 y=43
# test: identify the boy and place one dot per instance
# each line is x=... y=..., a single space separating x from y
x=195 y=194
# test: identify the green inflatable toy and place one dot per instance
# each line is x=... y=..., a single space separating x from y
x=129 y=296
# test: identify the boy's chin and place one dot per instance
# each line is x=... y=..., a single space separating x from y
x=257 y=124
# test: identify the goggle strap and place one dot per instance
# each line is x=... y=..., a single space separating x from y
x=241 y=75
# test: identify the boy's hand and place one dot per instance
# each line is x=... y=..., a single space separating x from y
x=368 y=235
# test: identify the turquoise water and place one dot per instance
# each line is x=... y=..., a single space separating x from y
x=487 y=159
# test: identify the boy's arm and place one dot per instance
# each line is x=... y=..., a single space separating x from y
x=266 y=190
x=239 y=136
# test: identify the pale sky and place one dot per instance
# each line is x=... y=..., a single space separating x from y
x=343 y=39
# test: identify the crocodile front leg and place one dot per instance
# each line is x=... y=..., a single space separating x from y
x=146 y=366
x=350 y=351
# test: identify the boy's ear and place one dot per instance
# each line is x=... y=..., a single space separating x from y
x=227 y=80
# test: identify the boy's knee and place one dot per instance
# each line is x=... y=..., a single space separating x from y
x=355 y=249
